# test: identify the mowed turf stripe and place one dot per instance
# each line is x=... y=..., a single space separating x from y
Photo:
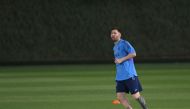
x=81 y=87
x=91 y=97
x=88 y=97
x=60 y=78
x=86 y=87
x=149 y=92
x=54 y=79
x=90 y=73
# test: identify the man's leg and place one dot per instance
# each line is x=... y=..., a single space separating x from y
x=140 y=99
x=121 y=97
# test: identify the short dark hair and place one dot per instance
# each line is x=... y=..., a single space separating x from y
x=118 y=29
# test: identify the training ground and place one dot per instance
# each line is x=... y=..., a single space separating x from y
x=166 y=86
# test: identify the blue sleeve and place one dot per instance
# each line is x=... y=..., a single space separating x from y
x=128 y=47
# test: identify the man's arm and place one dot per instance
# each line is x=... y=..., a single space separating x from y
x=129 y=56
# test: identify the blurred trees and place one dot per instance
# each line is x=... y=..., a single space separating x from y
x=79 y=30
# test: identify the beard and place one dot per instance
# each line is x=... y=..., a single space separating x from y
x=115 y=40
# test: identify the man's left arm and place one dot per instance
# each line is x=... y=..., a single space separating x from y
x=129 y=56
x=130 y=50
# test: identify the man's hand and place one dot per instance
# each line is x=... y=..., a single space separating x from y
x=119 y=61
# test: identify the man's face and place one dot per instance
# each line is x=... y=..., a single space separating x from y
x=115 y=35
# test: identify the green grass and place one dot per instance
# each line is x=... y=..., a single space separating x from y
x=166 y=86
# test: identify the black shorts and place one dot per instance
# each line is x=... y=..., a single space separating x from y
x=131 y=85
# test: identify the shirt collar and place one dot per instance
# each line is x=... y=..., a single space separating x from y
x=117 y=41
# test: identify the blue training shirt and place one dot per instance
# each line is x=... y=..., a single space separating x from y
x=126 y=69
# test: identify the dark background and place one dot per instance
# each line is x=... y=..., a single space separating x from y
x=78 y=31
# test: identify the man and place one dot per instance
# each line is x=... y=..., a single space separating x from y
x=126 y=76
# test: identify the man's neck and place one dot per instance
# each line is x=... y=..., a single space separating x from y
x=117 y=41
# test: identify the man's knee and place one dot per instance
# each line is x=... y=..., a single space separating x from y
x=120 y=96
x=136 y=95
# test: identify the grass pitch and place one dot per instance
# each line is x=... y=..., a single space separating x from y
x=166 y=86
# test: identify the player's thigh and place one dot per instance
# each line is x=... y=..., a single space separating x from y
x=121 y=87
x=134 y=86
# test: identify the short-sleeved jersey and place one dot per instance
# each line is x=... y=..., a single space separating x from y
x=126 y=69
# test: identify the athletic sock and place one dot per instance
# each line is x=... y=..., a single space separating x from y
x=129 y=108
x=142 y=102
